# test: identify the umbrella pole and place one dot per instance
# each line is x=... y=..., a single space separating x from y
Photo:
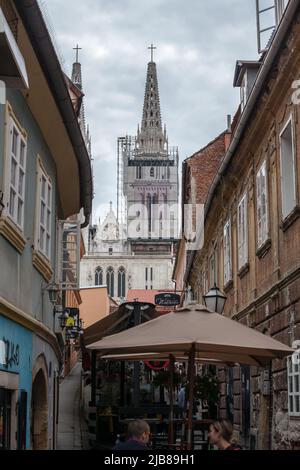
x=171 y=414
x=191 y=396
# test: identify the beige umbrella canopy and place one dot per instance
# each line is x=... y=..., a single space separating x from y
x=213 y=336
x=193 y=330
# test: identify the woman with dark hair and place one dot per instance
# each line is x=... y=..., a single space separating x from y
x=220 y=434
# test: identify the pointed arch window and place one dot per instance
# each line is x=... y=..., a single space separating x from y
x=121 y=282
x=160 y=225
x=98 y=276
x=110 y=281
x=149 y=210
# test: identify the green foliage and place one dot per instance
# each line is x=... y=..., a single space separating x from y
x=206 y=388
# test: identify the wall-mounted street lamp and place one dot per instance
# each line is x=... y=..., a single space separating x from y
x=215 y=300
x=53 y=291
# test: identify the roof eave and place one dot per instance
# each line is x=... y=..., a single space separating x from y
x=34 y=23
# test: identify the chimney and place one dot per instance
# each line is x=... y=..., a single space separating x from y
x=229 y=121
x=228 y=132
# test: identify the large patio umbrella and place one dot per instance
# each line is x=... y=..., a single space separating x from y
x=193 y=330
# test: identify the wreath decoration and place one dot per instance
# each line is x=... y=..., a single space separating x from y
x=157 y=365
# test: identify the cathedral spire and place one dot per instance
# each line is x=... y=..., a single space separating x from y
x=151 y=139
x=77 y=80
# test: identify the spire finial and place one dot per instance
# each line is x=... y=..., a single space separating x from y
x=110 y=206
x=152 y=48
x=77 y=49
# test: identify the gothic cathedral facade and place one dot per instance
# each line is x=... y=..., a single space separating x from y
x=136 y=247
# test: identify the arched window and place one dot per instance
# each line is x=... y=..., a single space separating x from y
x=160 y=225
x=149 y=210
x=152 y=172
x=110 y=281
x=98 y=276
x=121 y=282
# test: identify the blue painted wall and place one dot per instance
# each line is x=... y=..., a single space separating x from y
x=18 y=335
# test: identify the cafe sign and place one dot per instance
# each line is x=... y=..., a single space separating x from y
x=167 y=300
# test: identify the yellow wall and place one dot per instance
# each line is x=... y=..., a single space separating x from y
x=95 y=305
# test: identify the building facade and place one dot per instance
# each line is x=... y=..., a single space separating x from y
x=252 y=245
x=135 y=248
x=35 y=160
x=198 y=172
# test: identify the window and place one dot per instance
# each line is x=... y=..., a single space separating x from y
x=243 y=232
x=244 y=92
x=213 y=270
x=110 y=281
x=99 y=276
x=110 y=251
x=139 y=171
x=172 y=225
x=148 y=278
x=121 y=282
x=227 y=253
x=44 y=212
x=17 y=155
x=262 y=205
x=293 y=369
x=152 y=172
x=288 y=174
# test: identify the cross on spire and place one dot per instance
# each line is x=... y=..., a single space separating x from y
x=77 y=49
x=152 y=48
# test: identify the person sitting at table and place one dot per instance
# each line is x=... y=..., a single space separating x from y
x=220 y=434
x=138 y=435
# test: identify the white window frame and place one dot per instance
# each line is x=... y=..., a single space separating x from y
x=243 y=91
x=43 y=227
x=293 y=377
x=262 y=219
x=290 y=122
x=13 y=182
x=242 y=217
x=227 y=250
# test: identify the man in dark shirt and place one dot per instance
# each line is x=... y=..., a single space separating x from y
x=138 y=436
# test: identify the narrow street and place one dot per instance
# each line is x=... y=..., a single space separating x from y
x=72 y=433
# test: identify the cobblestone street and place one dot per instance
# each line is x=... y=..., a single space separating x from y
x=72 y=432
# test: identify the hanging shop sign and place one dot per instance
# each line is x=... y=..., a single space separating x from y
x=167 y=300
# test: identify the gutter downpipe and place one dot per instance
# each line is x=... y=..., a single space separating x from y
x=262 y=75
x=31 y=15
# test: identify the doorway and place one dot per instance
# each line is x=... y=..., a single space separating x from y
x=5 y=419
x=39 y=412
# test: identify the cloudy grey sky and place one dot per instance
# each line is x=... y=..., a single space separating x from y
x=198 y=42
